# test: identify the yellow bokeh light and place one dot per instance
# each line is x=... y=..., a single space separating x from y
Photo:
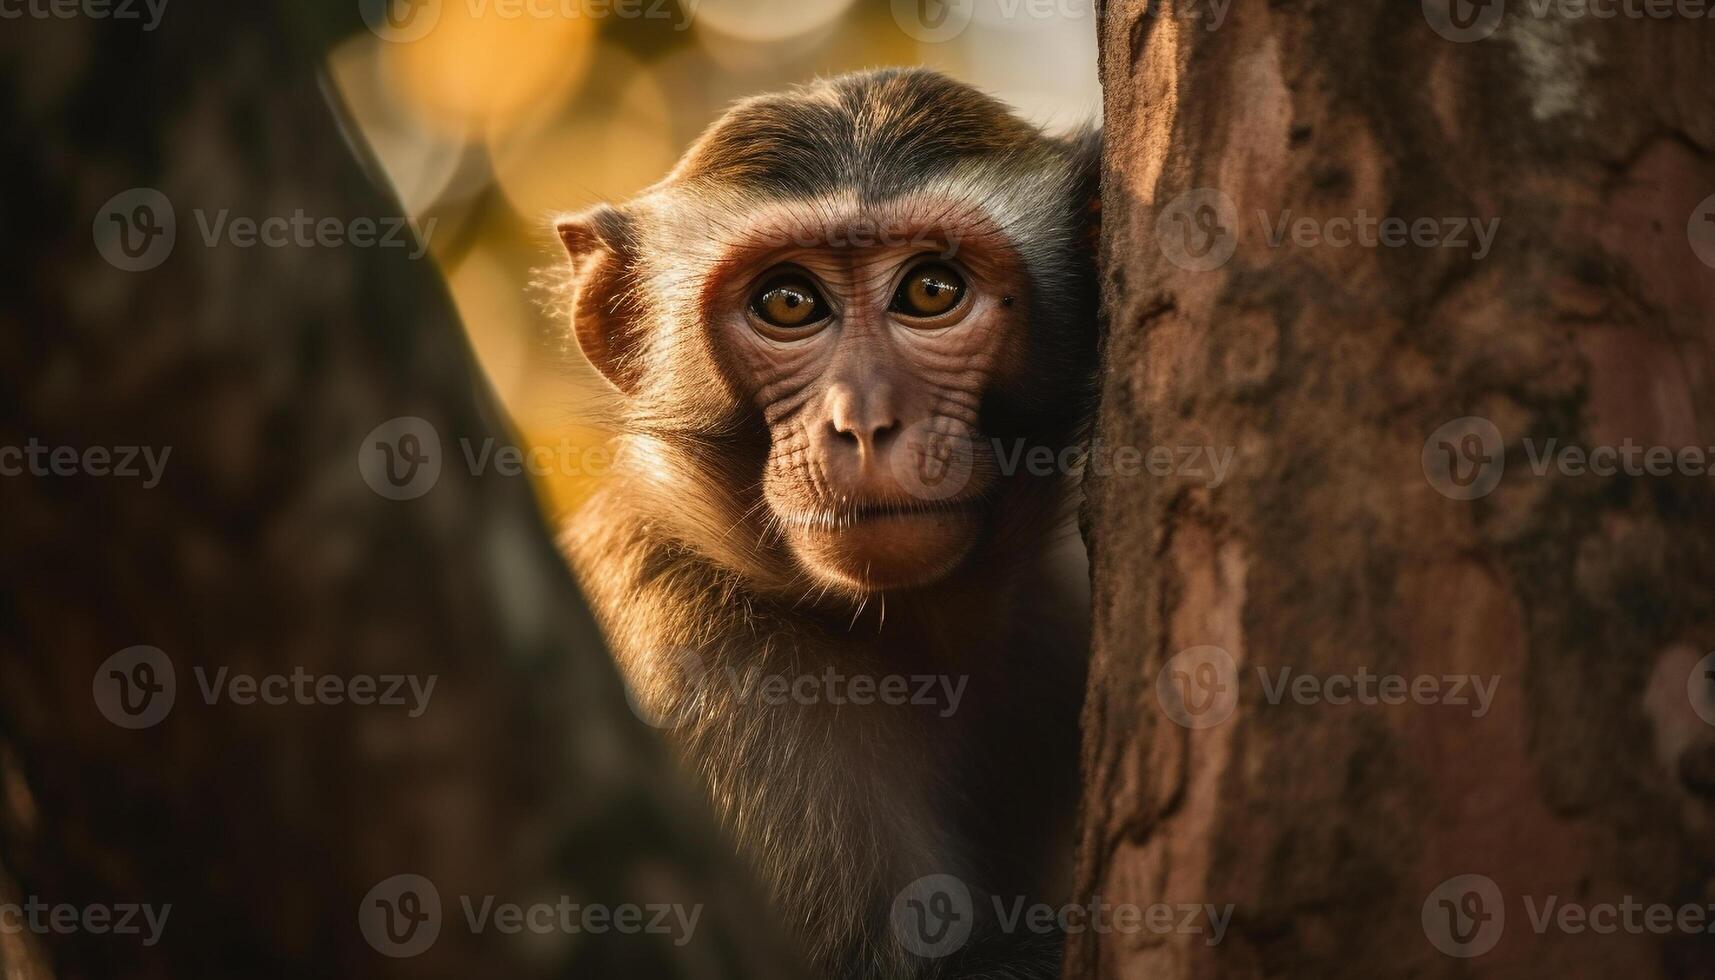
x=617 y=139
x=420 y=162
x=493 y=308
x=483 y=64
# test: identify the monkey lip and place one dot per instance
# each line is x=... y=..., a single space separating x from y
x=848 y=517
x=886 y=545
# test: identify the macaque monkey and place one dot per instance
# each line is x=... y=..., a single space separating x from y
x=848 y=331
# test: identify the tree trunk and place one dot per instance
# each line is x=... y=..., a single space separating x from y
x=273 y=543
x=1398 y=504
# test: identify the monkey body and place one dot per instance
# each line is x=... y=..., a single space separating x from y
x=862 y=628
x=840 y=795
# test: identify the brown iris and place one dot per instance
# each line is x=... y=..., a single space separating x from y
x=930 y=290
x=789 y=302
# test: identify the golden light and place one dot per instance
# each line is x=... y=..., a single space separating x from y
x=420 y=162
x=614 y=140
x=494 y=309
x=483 y=64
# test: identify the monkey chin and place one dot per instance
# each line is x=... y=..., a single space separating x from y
x=886 y=549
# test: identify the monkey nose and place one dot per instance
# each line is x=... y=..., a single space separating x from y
x=866 y=436
x=864 y=423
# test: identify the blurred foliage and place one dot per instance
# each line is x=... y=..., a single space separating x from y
x=507 y=112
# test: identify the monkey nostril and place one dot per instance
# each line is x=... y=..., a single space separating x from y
x=885 y=433
x=864 y=437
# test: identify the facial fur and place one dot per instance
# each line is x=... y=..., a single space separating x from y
x=864 y=454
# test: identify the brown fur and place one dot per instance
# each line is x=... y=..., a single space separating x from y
x=838 y=807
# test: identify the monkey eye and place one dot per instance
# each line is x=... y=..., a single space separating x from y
x=931 y=290
x=789 y=302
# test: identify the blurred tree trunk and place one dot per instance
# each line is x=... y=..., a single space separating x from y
x=1354 y=532
x=262 y=372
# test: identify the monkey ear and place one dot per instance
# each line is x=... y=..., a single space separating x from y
x=608 y=325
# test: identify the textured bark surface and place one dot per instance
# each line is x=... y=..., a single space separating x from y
x=1329 y=549
x=262 y=550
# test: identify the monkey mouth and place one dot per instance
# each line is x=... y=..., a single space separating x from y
x=884 y=545
x=841 y=518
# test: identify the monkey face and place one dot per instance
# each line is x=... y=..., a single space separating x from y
x=832 y=320
x=869 y=346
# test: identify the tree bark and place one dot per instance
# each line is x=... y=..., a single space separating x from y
x=259 y=376
x=1356 y=531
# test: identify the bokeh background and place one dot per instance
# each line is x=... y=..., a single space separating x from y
x=503 y=113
